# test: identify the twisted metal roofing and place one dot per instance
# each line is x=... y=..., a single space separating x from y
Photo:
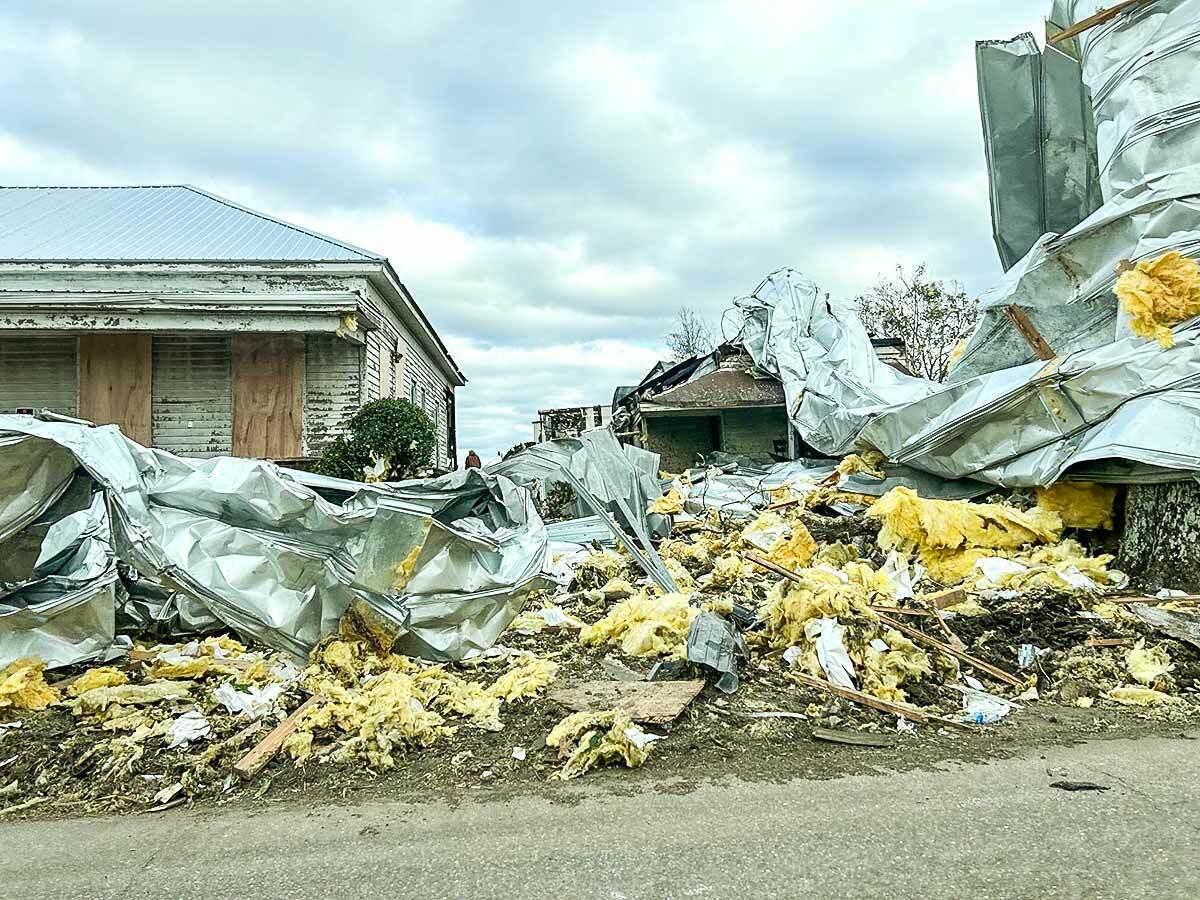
x=155 y=223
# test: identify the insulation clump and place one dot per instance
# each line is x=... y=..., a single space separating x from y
x=644 y=625
x=869 y=462
x=1131 y=695
x=1159 y=293
x=589 y=739
x=524 y=679
x=99 y=700
x=669 y=504
x=23 y=685
x=951 y=536
x=597 y=569
x=1079 y=504
x=101 y=676
x=1147 y=664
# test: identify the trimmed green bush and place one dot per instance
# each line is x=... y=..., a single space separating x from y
x=386 y=440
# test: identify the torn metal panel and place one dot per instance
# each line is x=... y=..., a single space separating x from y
x=1039 y=141
x=239 y=541
x=1138 y=69
x=615 y=482
x=715 y=643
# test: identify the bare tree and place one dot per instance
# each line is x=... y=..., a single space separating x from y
x=692 y=335
x=930 y=316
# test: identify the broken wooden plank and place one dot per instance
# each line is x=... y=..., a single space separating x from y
x=1029 y=331
x=951 y=597
x=1096 y=18
x=1109 y=642
x=854 y=738
x=922 y=638
x=772 y=567
x=905 y=710
x=263 y=752
x=653 y=702
x=902 y=611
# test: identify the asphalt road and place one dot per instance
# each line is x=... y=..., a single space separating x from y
x=995 y=830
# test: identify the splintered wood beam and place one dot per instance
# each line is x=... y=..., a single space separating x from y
x=912 y=713
x=262 y=752
x=1032 y=336
x=1097 y=18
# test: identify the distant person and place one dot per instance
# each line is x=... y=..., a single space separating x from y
x=473 y=461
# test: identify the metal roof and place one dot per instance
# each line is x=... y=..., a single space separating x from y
x=153 y=223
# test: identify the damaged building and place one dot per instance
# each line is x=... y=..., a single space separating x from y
x=202 y=327
x=718 y=401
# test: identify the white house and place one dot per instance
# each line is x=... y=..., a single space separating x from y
x=204 y=327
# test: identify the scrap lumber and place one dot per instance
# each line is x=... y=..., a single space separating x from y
x=1097 y=18
x=653 y=702
x=264 y=751
x=922 y=638
x=905 y=710
x=854 y=738
x=1029 y=331
x=914 y=633
x=772 y=567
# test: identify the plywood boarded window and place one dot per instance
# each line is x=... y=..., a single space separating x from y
x=114 y=382
x=268 y=395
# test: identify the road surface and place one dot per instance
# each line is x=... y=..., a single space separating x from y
x=995 y=830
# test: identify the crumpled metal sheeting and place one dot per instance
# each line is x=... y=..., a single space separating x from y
x=1140 y=67
x=1022 y=426
x=624 y=479
x=242 y=541
x=1065 y=283
x=818 y=348
x=612 y=481
x=1039 y=140
x=64 y=610
x=1019 y=426
x=742 y=494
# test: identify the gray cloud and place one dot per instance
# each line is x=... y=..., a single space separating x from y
x=551 y=182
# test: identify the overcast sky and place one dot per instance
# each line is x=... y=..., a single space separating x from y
x=551 y=180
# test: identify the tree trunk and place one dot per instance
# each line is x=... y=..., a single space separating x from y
x=1160 y=546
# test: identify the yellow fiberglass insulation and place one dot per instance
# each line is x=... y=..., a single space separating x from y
x=23 y=685
x=1148 y=664
x=819 y=594
x=1158 y=293
x=884 y=671
x=588 y=739
x=644 y=625
x=956 y=354
x=766 y=530
x=525 y=678
x=101 y=676
x=99 y=700
x=597 y=569
x=682 y=577
x=866 y=463
x=728 y=570
x=198 y=667
x=1079 y=504
x=796 y=550
x=912 y=523
x=1132 y=695
x=383 y=715
x=669 y=504
x=403 y=571
x=694 y=557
